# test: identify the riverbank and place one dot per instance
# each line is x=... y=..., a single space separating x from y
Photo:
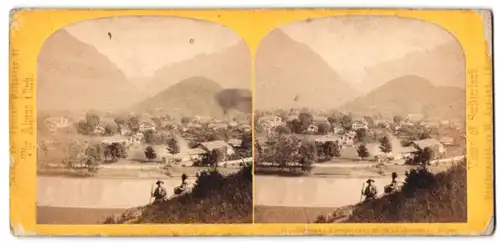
x=279 y=214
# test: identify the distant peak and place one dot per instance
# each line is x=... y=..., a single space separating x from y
x=414 y=79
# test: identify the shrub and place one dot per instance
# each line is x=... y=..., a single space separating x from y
x=229 y=200
x=206 y=182
x=425 y=198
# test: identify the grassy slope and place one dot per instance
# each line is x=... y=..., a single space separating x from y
x=228 y=201
x=443 y=200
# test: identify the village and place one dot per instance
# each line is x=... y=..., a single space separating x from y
x=141 y=144
x=353 y=140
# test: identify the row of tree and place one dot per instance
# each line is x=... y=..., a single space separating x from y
x=85 y=160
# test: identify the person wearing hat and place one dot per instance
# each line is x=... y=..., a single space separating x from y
x=394 y=185
x=160 y=193
x=184 y=185
x=370 y=191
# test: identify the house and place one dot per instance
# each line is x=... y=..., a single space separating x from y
x=414 y=118
x=268 y=123
x=55 y=123
x=273 y=120
x=429 y=143
x=234 y=142
x=430 y=124
x=407 y=152
x=444 y=123
x=124 y=130
x=328 y=138
x=145 y=125
x=245 y=128
x=233 y=124
x=446 y=140
x=291 y=118
x=136 y=138
x=196 y=153
x=312 y=129
x=116 y=139
x=337 y=129
x=99 y=129
x=194 y=125
x=383 y=123
x=359 y=125
x=209 y=146
x=320 y=119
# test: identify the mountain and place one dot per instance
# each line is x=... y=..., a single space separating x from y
x=411 y=94
x=230 y=67
x=443 y=65
x=189 y=97
x=73 y=75
x=290 y=74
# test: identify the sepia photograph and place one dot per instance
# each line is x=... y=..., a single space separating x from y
x=360 y=119
x=144 y=120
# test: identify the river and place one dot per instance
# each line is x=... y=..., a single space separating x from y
x=318 y=192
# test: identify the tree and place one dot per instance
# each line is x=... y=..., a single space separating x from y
x=133 y=123
x=370 y=121
x=83 y=128
x=361 y=134
x=323 y=128
x=120 y=121
x=92 y=120
x=150 y=153
x=332 y=120
x=157 y=122
x=346 y=122
x=94 y=151
x=114 y=151
x=173 y=146
x=424 y=135
x=217 y=155
x=185 y=120
x=406 y=142
x=397 y=119
x=295 y=126
x=307 y=155
x=246 y=141
x=110 y=130
x=45 y=150
x=330 y=149
x=149 y=136
x=281 y=129
x=363 y=151
x=283 y=149
x=423 y=157
x=306 y=119
x=385 y=145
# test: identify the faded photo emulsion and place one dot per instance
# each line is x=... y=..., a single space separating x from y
x=360 y=119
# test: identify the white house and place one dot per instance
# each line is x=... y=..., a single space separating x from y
x=415 y=117
x=429 y=143
x=234 y=142
x=359 y=125
x=312 y=129
x=55 y=123
x=136 y=138
x=209 y=146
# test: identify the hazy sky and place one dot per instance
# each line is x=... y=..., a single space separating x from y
x=342 y=41
x=141 y=45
